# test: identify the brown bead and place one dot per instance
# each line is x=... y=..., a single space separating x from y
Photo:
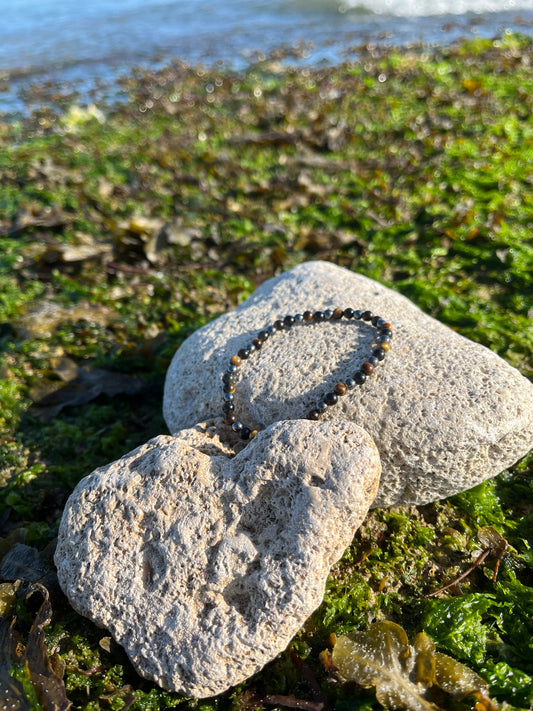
x=388 y=325
x=229 y=387
x=338 y=313
x=308 y=316
x=385 y=346
x=230 y=418
x=367 y=368
x=340 y=389
x=257 y=342
x=235 y=360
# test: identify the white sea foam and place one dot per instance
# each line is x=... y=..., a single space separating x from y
x=426 y=8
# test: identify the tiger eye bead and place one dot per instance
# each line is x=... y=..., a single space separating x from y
x=367 y=368
x=278 y=325
x=308 y=316
x=340 y=389
x=257 y=343
x=230 y=418
x=337 y=314
x=235 y=360
x=385 y=345
x=388 y=326
x=253 y=433
x=229 y=387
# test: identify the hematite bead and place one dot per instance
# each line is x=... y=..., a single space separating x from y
x=308 y=316
x=340 y=389
x=229 y=387
x=350 y=383
x=270 y=330
x=384 y=339
x=263 y=335
x=244 y=353
x=229 y=397
x=257 y=342
x=357 y=314
x=245 y=433
x=228 y=406
x=318 y=316
x=379 y=353
x=366 y=315
x=338 y=313
x=288 y=321
x=359 y=377
x=278 y=325
x=330 y=398
x=367 y=368
x=321 y=406
x=232 y=368
x=328 y=313
x=237 y=426
x=298 y=318
x=230 y=418
x=372 y=360
x=313 y=414
x=348 y=313
x=381 y=322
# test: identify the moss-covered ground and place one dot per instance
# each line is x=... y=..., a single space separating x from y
x=126 y=227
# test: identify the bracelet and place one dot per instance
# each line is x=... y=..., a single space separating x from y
x=379 y=350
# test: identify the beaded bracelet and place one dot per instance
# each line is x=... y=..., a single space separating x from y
x=380 y=348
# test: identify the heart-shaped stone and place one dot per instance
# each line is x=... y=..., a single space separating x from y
x=203 y=564
x=444 y=412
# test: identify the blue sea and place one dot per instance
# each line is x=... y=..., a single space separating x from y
x=85 y=43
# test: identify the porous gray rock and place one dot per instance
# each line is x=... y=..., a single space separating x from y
x=204 y=563
x=445 y=413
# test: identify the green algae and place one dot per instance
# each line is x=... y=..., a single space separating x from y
x=410 y=167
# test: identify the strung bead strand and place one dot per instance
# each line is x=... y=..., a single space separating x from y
x=380 y=348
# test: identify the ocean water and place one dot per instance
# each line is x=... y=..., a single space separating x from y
x=68 y=42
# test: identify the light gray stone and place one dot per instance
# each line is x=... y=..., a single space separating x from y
x=445 y=413
x=203 y=564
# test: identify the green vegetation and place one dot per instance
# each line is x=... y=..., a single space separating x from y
x=124 y=228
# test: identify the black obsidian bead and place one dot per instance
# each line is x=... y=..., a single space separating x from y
x=229 y=377
x=331 y=398
x=263 y=335
x=348 y=313
x=380 y=353
x=313 y=414
x=244 y=353
x=386 y=332
x=366 y=315
x=321 y=406
x=288 y=321
x=278 y=325
x=359 y=377
x=228 y=406
x=245 y=433
x=372 y=360
x=318 y=316
x=376 y=320
x=237 y=426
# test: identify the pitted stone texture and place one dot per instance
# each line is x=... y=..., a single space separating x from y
x=204 y=567
x=445 y=413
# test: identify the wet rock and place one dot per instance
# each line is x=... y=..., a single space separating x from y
x=203 y=563
x=445 y=413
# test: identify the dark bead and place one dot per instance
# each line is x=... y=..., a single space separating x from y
x=330 y=398
x=359 y=377
x=313 y=415
x=308 y=316
x=340 y=389
x=278 y=325
x=257 y=342
x=321 y=406
x=232 y=368
x=350 y=383
x=366 y=315
x=381 y=322
x=229 y=397
x=376 y=320
x=380 y=353
x=348 y=313
x=244 y=353
x=288 y=321
x=367 y=368
x=263 y=335
x=245 y=433
x=372 y=360
x=237 y=426
x=386 y=332
x=384 y=339
x=318 y=316
x=328 y=313
x=230 y=418
x=357 y=314
x=298 y=318
x=270 y=330
x=338 y=313
x=229 y=387
x=228 y=406
x=229 y=377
